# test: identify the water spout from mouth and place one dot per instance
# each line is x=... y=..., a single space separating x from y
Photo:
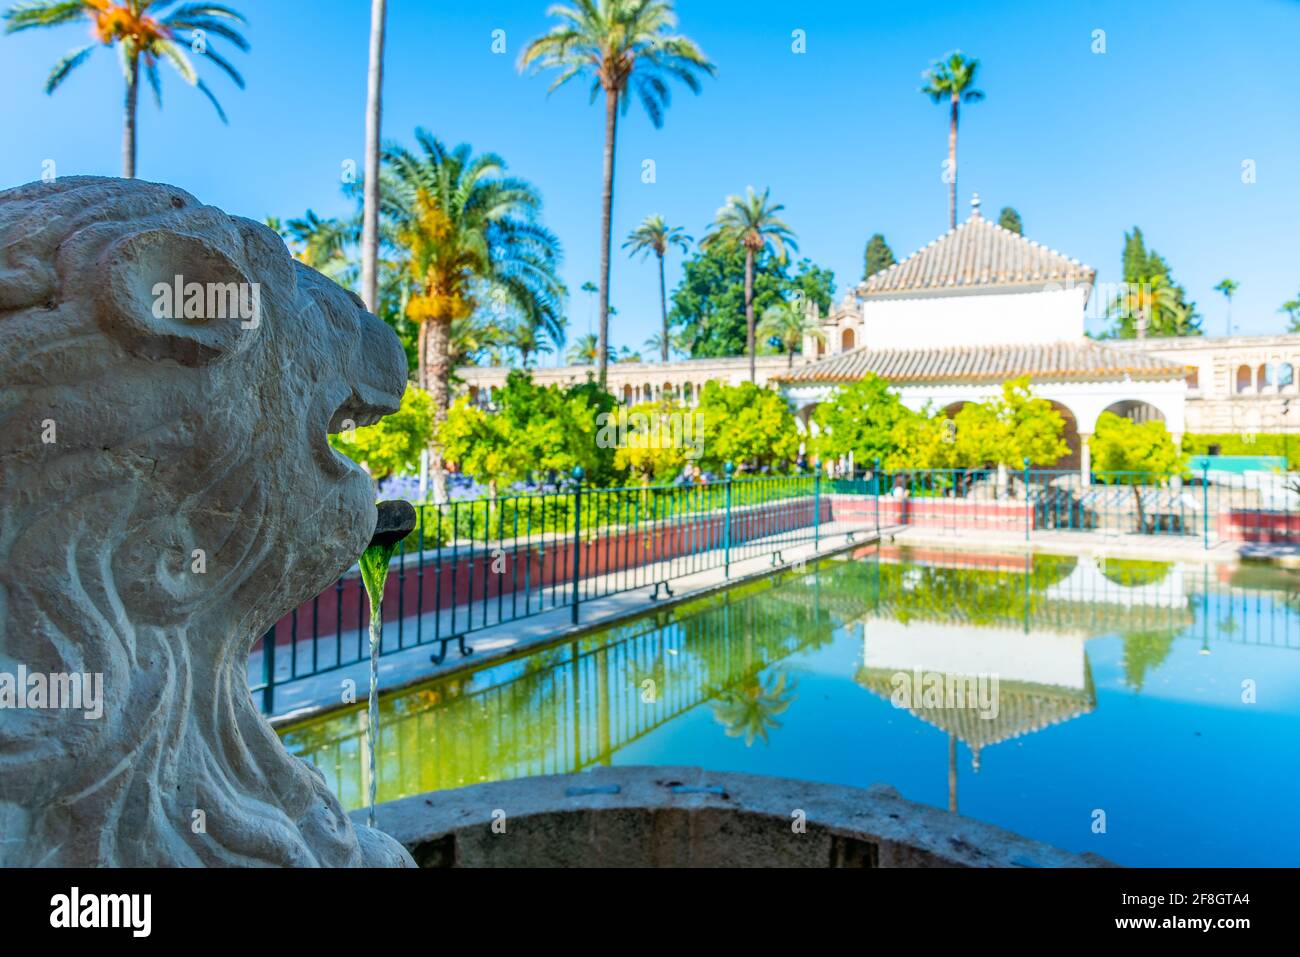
x=396 y=521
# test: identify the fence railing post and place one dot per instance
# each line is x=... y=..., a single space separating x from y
x=817 y=509
x=1205 y=506
x=1029 y=515
x=268 y=671
x=577 y=537
x=726 y=524
x=875 y=487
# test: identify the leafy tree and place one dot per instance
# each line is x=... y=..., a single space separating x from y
x=751 y=427
x=467 y=234
x=655 y=236
x=708 y=305
x=752 y=223
x=877 y=257
x=786 y=324
x=922 y=440
x=1136 y=454
x=393 y=445
x=649 y=451
x=860 y=418
x=536 y=432
x=145 y=33
x=623 y=47
x=953 y=79
x=1007 y=429
x=1009 y=220
x=484 y=445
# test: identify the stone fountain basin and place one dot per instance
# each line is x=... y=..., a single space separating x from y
x=689 y=817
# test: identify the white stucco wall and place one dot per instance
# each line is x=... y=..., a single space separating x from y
x=971 y=318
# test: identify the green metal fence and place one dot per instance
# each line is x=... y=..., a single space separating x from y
x=471 y=565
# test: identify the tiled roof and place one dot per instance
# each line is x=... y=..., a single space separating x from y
x=977 y=254
x=1079 y=359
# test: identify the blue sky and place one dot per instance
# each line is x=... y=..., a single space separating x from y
x=1152 y=132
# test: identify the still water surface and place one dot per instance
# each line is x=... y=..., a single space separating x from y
x=1147 y=711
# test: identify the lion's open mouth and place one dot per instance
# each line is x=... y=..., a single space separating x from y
x=363 y=407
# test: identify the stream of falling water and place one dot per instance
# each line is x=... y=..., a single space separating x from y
x=374 y=572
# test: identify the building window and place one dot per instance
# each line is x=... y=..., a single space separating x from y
x=1243 y=379
x=846 y=340
x=1194 y=379
x=1279 y=375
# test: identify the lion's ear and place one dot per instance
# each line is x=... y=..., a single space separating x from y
x=167 y=294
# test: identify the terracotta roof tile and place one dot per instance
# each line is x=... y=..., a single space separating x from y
x=1079 y=359
x=977 y=254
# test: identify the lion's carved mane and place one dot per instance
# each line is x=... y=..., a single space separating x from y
x=130 y=444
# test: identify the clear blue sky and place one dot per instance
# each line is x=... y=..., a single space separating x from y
x=1152 y=132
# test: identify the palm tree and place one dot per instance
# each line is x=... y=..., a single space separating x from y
x=526 y=340
x=465 y=233
x=322 y=244
x=952 y=79
x=655 y=236
x=628 y=354
x=145 y=33
x=1292 y=309
x=751 y=222
x=788 y=322
x=657 y=343
x=624 y=47
x=586 y=350
x=374 y=116
x=1153 y=308
x=750 y=707
x=1228 y=287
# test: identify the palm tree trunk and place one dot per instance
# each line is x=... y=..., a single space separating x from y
x=374 y=113
x=437 y=379
x=749 y=311
x=130 y=110
x=422 y=356
x=952 y=166
x=606 y=232
x=663 y=307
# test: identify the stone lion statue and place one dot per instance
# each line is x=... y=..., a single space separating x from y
x=167 y=492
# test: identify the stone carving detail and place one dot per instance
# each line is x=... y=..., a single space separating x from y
x=166 y=493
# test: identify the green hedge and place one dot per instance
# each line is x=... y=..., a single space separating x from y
x=1237 y=444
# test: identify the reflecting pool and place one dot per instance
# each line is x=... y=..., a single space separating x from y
x=1146 y=711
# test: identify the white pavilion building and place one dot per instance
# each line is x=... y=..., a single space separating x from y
x=980 y=305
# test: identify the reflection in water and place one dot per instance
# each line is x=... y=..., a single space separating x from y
x=1104 y=698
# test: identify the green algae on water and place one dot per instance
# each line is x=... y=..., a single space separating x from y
x=374 y=572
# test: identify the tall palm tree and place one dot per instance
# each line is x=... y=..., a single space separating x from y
x=370 y=182
x=1228 y=287
x=145 y=33
x=952 y=79
x=751 y=221
x=789 y=323
x=655 y=236
x=465 y=233
x=624 y=47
